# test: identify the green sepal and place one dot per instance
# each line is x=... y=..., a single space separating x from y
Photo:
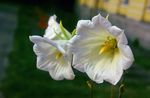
x=64 y=31
x=59 y=35
x=74 y=32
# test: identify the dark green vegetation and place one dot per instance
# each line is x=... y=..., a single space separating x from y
x=24 y=80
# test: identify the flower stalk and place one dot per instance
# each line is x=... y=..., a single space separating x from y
x=112 y=92
x=121 y=88
x=90 y=85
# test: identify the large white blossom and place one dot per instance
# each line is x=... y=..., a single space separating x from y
x=101 y=50
x=52 y=51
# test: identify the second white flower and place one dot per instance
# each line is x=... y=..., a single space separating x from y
x=101 y=50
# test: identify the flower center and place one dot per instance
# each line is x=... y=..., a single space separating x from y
x=58 y=55
x=109 y=44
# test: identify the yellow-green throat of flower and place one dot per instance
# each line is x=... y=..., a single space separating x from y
x=109 y=44
x=58 y=55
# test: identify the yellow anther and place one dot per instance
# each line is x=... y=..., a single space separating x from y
x=58 y=55
x=104 y=49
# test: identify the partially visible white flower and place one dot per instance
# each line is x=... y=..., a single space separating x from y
x=53 y=55
x=101 y=50
x=54 y=30
x=52 y=26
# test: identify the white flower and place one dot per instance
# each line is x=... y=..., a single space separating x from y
x=101 y=50
x=53 y=55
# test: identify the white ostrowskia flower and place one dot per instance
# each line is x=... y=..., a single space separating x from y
x=53 y=55
x=101 y=50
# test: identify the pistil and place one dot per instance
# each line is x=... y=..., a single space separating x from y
x=109 y=44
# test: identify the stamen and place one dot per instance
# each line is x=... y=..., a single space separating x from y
x=103 y=49
x=109 y=44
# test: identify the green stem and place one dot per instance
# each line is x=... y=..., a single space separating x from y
x=90 y=85
x=91 y=90
x=121 y=89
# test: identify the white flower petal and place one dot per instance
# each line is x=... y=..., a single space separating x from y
x=53 y=28
x=119 y=34
x=89 y=69
x=44 y=62
x=97 y=25
x=115 y=31
x=105 y=68
x=83 y=47
x=35 y=39
x=127 y=56
x=101 y=21
x=43 y=50
x=122 y=39
x=52 y=20
x=59 y=73
x=84 y=23
x=59 y=44
x=98 y=28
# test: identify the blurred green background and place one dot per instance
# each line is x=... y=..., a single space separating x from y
x=21 y=79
